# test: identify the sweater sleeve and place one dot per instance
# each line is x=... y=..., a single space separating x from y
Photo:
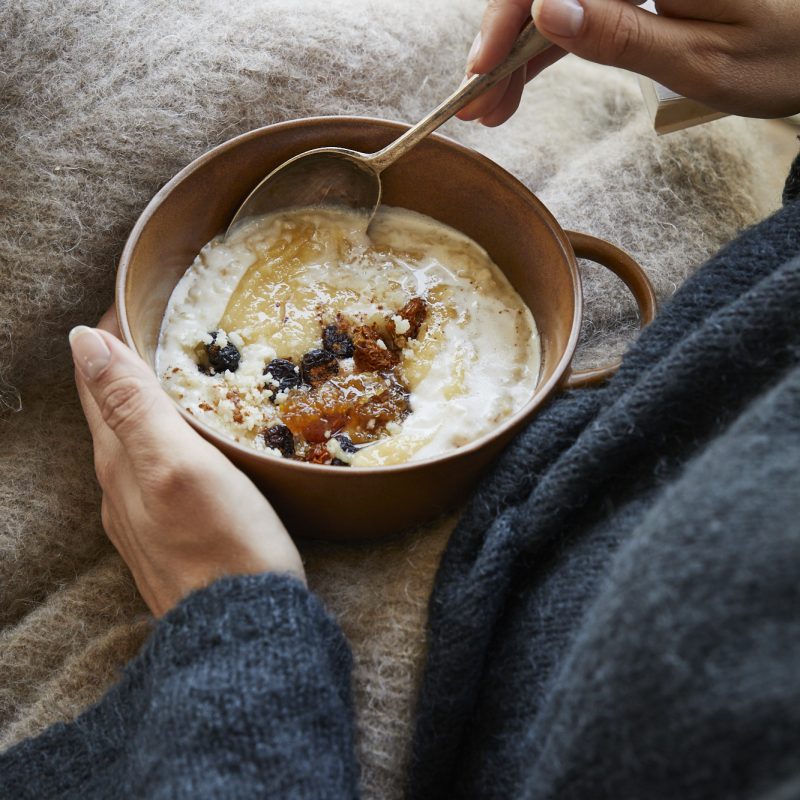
x=242 y=691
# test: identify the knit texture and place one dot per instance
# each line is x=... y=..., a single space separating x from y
x=243 y=691
x=615 y=616
x=101 y=104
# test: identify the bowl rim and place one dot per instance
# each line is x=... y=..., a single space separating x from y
x=517 y=419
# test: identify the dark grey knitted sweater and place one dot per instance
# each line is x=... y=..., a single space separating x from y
x=616 y=616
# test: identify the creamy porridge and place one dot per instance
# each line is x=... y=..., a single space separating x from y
x=306 y=338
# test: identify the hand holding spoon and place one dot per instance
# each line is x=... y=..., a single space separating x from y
x=339 y=176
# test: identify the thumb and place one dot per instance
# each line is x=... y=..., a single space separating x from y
x=120 y=392
x=615 y=32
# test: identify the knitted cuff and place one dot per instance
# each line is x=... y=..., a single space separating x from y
x=241 y=608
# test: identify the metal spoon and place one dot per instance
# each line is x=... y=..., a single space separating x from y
x=339 y=176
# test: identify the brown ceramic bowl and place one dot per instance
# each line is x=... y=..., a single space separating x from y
x=440 y=178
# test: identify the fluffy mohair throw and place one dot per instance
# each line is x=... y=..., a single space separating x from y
x=100 y=104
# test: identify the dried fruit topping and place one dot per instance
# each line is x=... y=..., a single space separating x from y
x=220 y=353
x=321 y=454
x=280 y=438
x=370 y=351
x=409 y=318
x=335 y=339
x=317 y=366
x=318 y=454
x=282 y=375
x=346 y=443
x=360 y=405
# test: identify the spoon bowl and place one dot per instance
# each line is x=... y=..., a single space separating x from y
x=324 y=176
x=338 y=176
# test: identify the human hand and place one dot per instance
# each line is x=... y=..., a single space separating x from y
x=179 y=513
x=733 y=55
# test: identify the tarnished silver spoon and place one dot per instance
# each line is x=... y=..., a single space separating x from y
x=338 y=176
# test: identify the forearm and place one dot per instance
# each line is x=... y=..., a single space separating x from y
x=242 y=691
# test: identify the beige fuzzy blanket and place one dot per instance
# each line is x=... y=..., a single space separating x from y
x=101 y=103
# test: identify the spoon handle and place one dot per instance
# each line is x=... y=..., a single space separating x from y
x=529 y=44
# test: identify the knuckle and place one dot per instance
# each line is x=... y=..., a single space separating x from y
x=621 y=36
x=717 y=69
x=626 y=34
x=124 y=402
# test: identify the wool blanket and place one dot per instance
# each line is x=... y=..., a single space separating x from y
x=103 y=103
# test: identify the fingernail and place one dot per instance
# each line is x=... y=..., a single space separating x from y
x=90 y=353
x=559 y=17
x=473 y=52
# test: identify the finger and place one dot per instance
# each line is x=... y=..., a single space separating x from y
x=502 y=22
x=623 y=35
x=542 y=61
x=486 y=102
x=509 y=102
x=106 y=445
x=100 y=432
x=494 y=114
x=126 y=397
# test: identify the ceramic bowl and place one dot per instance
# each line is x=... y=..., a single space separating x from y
x=439 y=178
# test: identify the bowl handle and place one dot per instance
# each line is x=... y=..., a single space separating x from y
x=632 y=275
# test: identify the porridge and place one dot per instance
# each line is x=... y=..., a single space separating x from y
x=307 y=338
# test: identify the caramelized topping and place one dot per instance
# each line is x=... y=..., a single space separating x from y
x=357 y=408
x=318 y=454
x=370 y=351
x=414 y=313
x=360 y=405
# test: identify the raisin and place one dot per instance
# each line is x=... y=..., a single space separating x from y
x=337 y=341
x=283 y=372
x=222 y=358
x=317 y=366
x=280 y=438
x=336 y=462
x=370 y=351
x=346 y=443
